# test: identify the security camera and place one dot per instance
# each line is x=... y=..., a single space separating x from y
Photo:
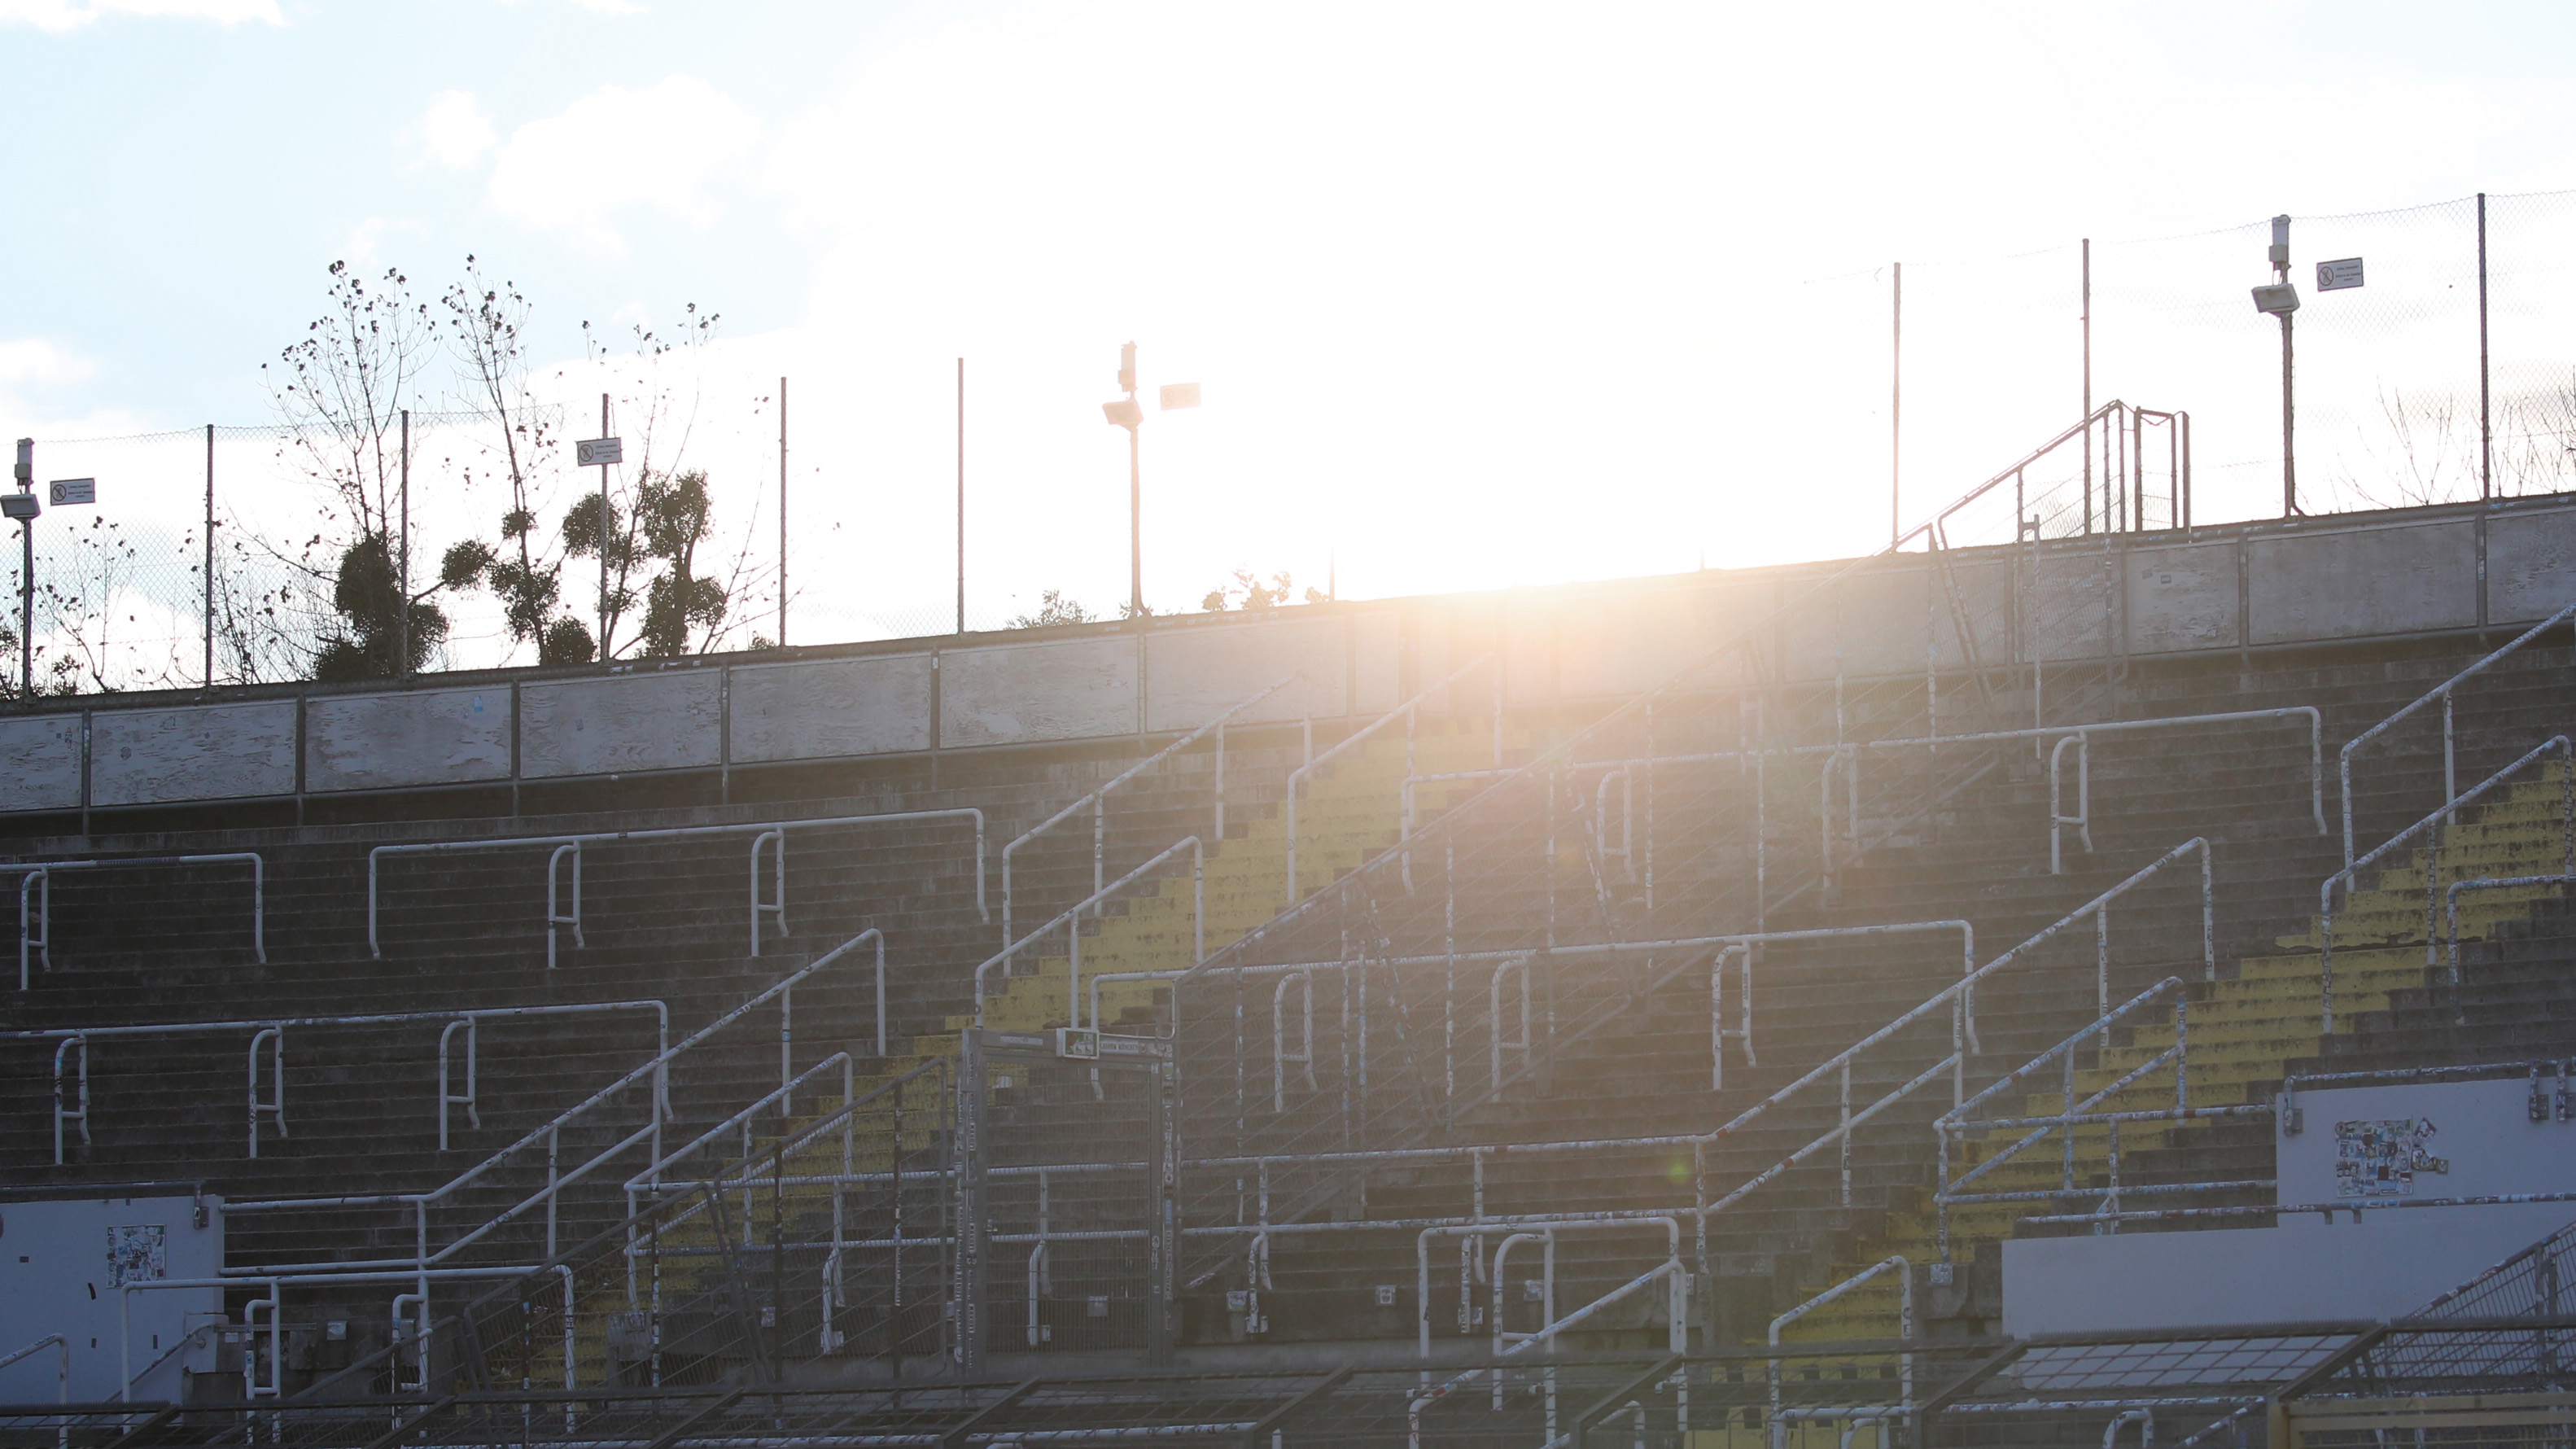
x=2279 y=299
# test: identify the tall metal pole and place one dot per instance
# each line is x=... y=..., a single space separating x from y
x=2088 y=329
x=2486 y=429
x=26 y=477
x=603 y=537
x=402 y=570
x=1135 y=528
x=2289 y=436
x=782 y=513
x=961 y=495
x=210 y=555
x=1896 y=407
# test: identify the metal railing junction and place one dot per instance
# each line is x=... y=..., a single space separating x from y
x=38 y=930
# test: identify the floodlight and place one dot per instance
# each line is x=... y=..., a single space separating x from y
x=1124 y=412
x=20 y=506
x=2279 y=299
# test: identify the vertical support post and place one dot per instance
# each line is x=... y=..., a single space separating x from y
x=210 y=556
x=2289 y=430
x=1163 y=1261
x=2486 y=427
x=970 y=1221
x=782 y=513
x=1895 y=404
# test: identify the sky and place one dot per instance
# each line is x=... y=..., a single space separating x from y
x=1479 y=295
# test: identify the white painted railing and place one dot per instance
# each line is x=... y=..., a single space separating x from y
x=37 y=929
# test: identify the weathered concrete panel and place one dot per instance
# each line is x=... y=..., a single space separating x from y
x=2353 y=583
x=382 y=741
x=40 y=763
x=2067 y=611
x=1611 y=645
x=608 y=726
x=201 y=752
x=1875 y=620
x=1377 y=663
x=1193 y=675
x=832 y=708
x=1009 y=694
x=2181 y=598
x=2531 y=565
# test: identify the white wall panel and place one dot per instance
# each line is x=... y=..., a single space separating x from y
x=2354 y=583
x=430 y=737
x=2181 y=598
x=40 y=763
x=199 y=752
x=1010 y=694
x=829 y=708
x=1193 y=675
x=2531 y=565
x=607 y=726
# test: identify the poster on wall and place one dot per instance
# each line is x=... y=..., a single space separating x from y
x=2381 y=1157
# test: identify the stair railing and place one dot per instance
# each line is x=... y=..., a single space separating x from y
x=1098 y=800
x=1779 y=1417
x=1954 y=1062
x=2442 y=692
x=1071 y=919
x=1743 y=948
x=1960 y=1122
x=1408 y=712
x=653 y=1075
x=2555 y=744
x=39 y=878
x=74 y=1041
x=2451 y=934
x=571 y=844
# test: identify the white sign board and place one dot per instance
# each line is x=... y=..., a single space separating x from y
x=2337 y=275
x=599 y=452
x=74 y=490
x=1180 y=395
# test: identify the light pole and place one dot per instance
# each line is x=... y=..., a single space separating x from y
x=1128 y=413
x=2280 y=299
x=22 y=506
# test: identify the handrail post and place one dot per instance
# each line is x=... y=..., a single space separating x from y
x=473 y=1114
x=71 y=1043
x=43 y=918
x=554 y=910
x=777 y=907
x=275 y=1036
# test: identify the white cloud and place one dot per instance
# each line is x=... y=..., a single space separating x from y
x=617 y=148
x=453 y=132
x=33 y=360
x=62 y=15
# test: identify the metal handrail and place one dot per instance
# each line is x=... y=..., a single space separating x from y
x=1742 y=947
x=273 y=1028
x=2452 y=935
x=1097 y=799
x=40 y=876
x=62 y=1373
x=2073 y=1114
x=1406 y=712
x=1905 y=1330
x=451 y=847
x=2442 y=692
x=656 y=1071
x=2346 y=876
x=1073 y=915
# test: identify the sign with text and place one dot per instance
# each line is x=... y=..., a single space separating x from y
x=599 y=452
x=74 y=490
x=2335 y=276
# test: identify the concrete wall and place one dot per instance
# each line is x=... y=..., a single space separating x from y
x=2237 y=586
x=2391 y=1263
x=60 y=1275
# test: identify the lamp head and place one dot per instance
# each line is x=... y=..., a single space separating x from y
x=1125 y=412
x=2279 y=299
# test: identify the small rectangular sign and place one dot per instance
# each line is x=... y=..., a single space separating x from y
x=2337 y=275
x=1077 y=1043
x=1180 y=395
x=74 y=490
x=599 y=452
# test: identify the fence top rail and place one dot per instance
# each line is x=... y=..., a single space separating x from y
x=1141 y=766
x=648 y=1070
x=209 y=858
x=2346 y=875
x=390 y=1018
x=1952 y=991
x=671 y=832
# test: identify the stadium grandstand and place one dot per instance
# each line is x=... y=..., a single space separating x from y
x=2079 y=975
